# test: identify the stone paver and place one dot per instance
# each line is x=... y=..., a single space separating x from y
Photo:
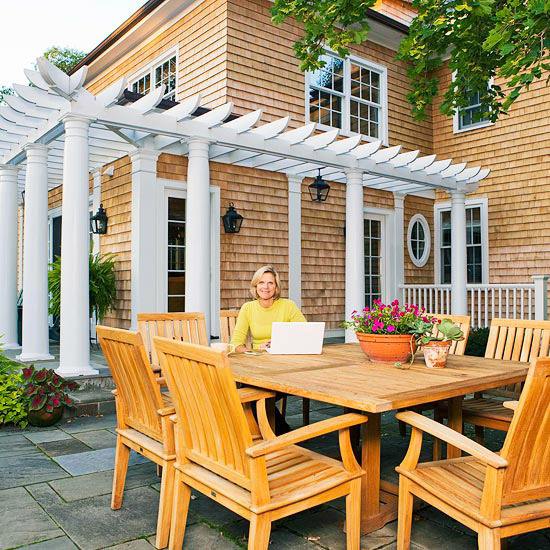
x=59 y=543
x=63 y=447
x=97 y=439
x=47 y=436
x=88 y=423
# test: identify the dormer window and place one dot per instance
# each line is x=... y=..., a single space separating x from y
x=162 y=71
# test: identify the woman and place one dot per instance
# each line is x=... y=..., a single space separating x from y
x=267 y=307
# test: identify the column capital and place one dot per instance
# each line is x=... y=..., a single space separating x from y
x=198 y=147
x=144 y=160
x=74 y=118
x=295 y=183
x=354 y=176
x=398 y=199
x=9 y=170
x=36 y=150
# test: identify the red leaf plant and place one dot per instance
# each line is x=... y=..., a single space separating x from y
x=47 y=389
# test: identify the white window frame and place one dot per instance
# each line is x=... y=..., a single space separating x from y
x=419 y=262
x=439 y=207
x=456 y=117
x=346 y=96
x=150 y=69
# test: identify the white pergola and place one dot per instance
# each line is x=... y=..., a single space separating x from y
x=54 y=132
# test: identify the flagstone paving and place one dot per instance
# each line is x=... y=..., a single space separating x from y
x=55 y=490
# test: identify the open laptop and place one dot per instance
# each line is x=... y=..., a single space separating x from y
x=297 y=338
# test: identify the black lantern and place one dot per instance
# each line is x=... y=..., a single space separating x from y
x=232 y=220
x=319 y=189
x=98 y=222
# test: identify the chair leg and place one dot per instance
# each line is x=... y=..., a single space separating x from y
x=180 y=507
x=353 y=516
x=305 y=411
x=122 y=456
x=437 y=445
x=165 y=505
x=488 y=539
x=260 y=531
x=402 y=428
x=283 y=406
x=480 y=435
x=404 y=518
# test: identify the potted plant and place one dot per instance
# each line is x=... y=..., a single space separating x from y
x=48 y=395
x=386 y=333
x=437 y=343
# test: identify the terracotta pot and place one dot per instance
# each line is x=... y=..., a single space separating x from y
x=387 y=348
x=436 y=353
x=42 y=419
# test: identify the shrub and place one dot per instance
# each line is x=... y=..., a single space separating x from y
x=46 y=389
x=14 y=404
x=477 y=341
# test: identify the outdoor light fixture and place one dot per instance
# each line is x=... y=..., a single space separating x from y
x=98 y=222
x=232 y=220
x=319 y=189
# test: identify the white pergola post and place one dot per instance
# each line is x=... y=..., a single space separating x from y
x=295 y=238
x=8 y=256
x=197 y=229
x=399 y=243
x=147 y=197
x=541 y=296
x=35 y=257
x=459 y=297
x=74 y=354
x=355 y=251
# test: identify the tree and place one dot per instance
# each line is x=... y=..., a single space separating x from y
x=64 y=58
x=482 y=39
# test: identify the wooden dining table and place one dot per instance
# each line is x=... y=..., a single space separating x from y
x=342 y=375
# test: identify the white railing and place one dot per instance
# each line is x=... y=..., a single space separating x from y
x=513 y=301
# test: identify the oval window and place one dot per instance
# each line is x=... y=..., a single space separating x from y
x=418 y=240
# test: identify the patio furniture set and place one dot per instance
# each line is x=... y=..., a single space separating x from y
x=206 y=419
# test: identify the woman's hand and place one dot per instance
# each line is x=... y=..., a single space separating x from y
x=241 y=349
x=265 y=346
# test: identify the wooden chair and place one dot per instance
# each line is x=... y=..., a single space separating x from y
x=216 y=455
x=496 y=495
x=228 y=319
x=142 y=418
x=185 y=327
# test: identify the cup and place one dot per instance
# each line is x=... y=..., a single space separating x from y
x=223 y=347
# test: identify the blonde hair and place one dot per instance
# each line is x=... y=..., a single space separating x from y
x=256 y=279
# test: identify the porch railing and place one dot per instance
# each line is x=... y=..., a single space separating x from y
x=513 y=301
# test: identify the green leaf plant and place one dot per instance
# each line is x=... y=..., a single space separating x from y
x=14 y=404
x=46 y=389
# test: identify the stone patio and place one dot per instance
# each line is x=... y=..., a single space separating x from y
x=55 y=486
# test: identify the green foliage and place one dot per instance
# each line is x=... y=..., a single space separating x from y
x=14 y=404
x=477 y=342
x=5 y=90
x=64 y=58
x=102 y=285
x=335 y=24
x=46 y=389
x=446 y=330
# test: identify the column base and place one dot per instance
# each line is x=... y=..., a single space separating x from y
x=28 y=357
x=70 y=372
x=14 y=345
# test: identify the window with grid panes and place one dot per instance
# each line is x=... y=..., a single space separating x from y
x=346 y=94
x=474 y=114
x=176 y=254
x=162 y=73
x=373 y=260
x=474 y=247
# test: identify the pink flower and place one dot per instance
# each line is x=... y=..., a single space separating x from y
x=390 y=328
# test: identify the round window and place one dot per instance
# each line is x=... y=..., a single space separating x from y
x=418 y=240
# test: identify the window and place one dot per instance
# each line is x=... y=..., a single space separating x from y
x=418 y=240
x=373 y=259
x=163 y=72
x=474 y=115
x=476 y=242
x=348 y=94
x=176 y=254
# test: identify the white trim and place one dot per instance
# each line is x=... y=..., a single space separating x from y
x=439 y=207
x=295 y=239
x=421 y=262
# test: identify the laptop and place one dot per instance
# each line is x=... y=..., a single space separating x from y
x=297 y=338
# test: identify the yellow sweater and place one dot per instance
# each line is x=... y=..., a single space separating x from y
x=257 y=320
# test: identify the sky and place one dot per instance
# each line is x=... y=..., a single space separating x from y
x=29 y=27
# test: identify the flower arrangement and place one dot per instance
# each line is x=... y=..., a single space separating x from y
x=46 y=389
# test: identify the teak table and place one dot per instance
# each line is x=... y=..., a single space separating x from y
x=343 y=376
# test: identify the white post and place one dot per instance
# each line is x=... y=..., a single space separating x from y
x=399 y=243
x=74 y=354
x=35 y=257
x=355 y=248
x=96 y=201
x=8 y=256
x=146 y=208
x=541 y=297
x=197 y=230
x=295 y=238
x=459 y=297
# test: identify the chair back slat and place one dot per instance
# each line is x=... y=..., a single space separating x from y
x=185 y=327
x=527 y=444
x=138 y=392
x=462 y=321
x=228 y=319
x=214 y=428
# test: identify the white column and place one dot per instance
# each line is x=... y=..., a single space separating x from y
x=541 y=297
x=96 y=201
x=8 y=256
x=35 y=257
x=355 y=247
x=459 y=297
x=147 y=206
x=197 y=230
x=399 y=243
x=74 y=354
x=295 y=238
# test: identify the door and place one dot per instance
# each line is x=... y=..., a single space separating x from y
x=175 y=298
x=375 y=258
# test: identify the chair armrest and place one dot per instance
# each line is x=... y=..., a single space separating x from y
x=304 y=433
x=114 y=392
x=511 y=405
x=452 y=438
x=161 y=381
x=165 y=411
x=249 y=393
x=173 y=419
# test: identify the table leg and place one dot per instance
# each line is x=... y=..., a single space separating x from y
x=270 y=410
x=455 y=423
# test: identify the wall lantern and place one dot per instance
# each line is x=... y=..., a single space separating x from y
x=319 y=189
x=232 y=220
x=98 y=222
